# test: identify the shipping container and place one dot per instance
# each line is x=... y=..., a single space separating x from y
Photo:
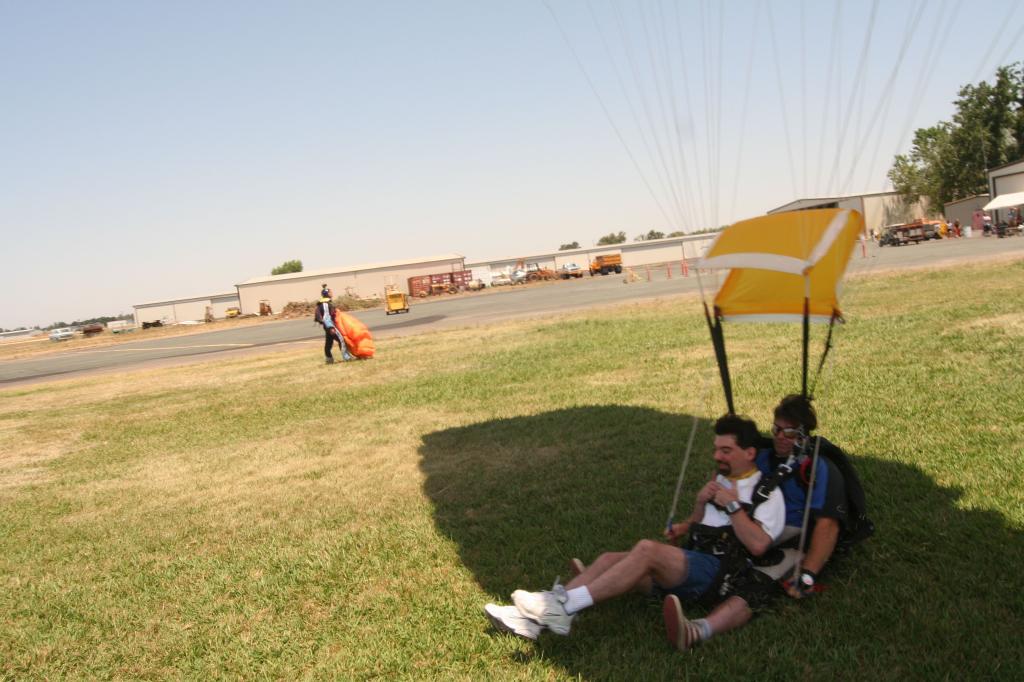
x=461 y=278
x=419 y=285
x=441 y=278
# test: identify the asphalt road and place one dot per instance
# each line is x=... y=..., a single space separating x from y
x=514 y=302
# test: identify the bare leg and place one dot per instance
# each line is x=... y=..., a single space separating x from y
x=648 y=560
x=600 y=565
x=729 y=615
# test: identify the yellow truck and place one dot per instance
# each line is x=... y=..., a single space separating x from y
x=395 y=302
x=606 y=264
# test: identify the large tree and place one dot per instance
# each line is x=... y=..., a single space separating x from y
x=950 y=160
x=569 y=246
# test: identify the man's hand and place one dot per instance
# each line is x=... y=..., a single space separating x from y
x=676 y=531
x=805 y=584
x=707 y=493
x=724 y=496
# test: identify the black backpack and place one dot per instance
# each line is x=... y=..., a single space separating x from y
x=858 y=526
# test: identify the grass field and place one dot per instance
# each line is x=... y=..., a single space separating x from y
x=273 y=517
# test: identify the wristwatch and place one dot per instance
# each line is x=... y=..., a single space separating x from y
x=732 y=507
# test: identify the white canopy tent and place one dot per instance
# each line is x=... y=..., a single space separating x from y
x=1005 y=201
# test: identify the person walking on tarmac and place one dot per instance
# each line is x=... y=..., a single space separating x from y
x=325 y=316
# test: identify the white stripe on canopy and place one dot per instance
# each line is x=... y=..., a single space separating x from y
x=1005 y=201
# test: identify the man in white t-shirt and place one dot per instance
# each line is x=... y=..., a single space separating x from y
x=724 y=530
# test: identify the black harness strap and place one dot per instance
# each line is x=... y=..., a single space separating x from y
x=718 y=342
x=828 y=346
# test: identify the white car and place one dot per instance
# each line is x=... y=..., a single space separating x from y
x=570 y=270
x=62 y=334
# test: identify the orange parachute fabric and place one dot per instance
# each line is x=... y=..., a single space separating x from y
x=356 y=334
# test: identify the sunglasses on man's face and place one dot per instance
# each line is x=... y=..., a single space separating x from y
x=788 y=433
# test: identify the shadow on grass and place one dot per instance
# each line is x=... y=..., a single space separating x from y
x=932 y=594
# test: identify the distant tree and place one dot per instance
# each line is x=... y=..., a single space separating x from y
x=92 y=320
x=651 y=234
x=287 y=267
x=567 y=247
x=612 y=238
x=677 y=233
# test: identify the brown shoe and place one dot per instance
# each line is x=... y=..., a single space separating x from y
x=681 y=633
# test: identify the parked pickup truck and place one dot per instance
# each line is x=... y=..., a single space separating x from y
x=606 y=264
x=62 y=334
x=570 y=270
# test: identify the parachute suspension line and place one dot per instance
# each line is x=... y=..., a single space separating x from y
x=702 y=210
x=1010 y=44
x=713 y=106
x=824 y=353
x=666 y=104
x=607 y=113
x=927 y=69
x=782 y=97
x=885 y=100
x=667 y=179
x=682 y=474
x=743 y=109
x=671 y=117
x=706 y=87
x=806 y=331
x=858 y=80
x=633 y=110
x=832 y=58
x=803 y=95
x=702 y=405
x=688 y=192
x=718 y=116
x=807 y=510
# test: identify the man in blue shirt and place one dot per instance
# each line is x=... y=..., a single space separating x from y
x=794 y=420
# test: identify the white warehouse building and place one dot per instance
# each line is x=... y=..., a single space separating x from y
x=879 y=209
x=672 y=250
x=362 y=281
x=185 y=309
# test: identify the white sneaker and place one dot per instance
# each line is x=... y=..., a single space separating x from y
x=508 y=619
x=547 y=608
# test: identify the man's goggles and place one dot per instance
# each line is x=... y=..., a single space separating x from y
x=787 y=432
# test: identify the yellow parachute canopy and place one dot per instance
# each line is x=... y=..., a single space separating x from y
x=775 y=260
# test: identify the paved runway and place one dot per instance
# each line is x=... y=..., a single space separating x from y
x=461 y=311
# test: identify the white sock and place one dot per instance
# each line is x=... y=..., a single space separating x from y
x=705 y=628
x=578 y=599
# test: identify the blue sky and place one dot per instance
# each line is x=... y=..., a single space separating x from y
x=153 y=150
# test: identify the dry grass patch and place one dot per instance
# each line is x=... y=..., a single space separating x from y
x=1011 y=323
